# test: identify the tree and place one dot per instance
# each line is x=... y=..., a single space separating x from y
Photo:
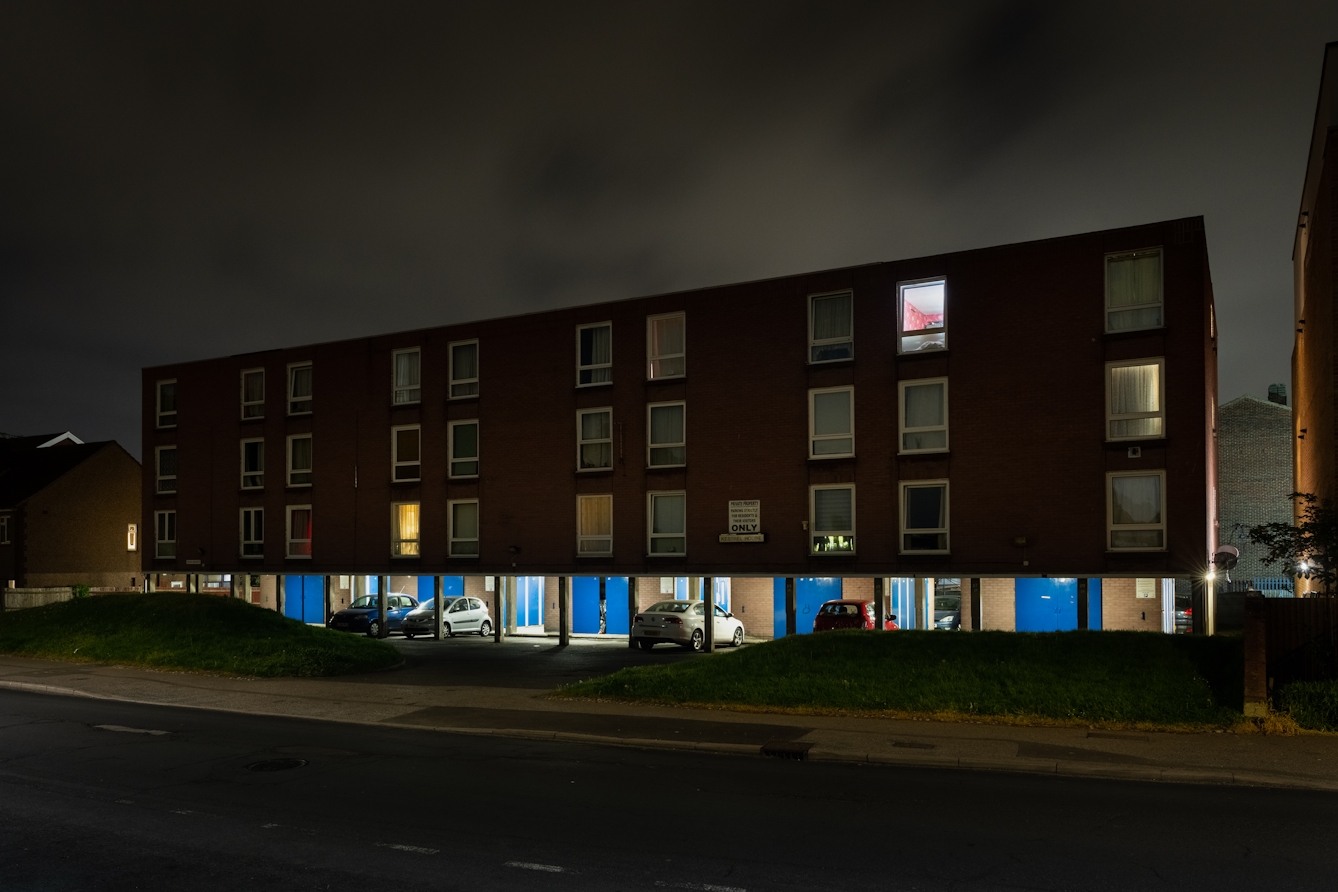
x=1307 y=549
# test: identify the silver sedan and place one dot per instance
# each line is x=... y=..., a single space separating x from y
x=683 y=623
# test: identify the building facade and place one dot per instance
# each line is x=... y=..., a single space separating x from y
x=1254 y=481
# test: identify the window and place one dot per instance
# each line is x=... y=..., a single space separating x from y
x=167 y=469
x=299 y=531
x=253 y=464
x=924 y=415
x=131 y=536
x=666 y=443
x=1133 y=290
x=464 y=369
x=924 y=517
x=299 y=460
x=165 y=541
x=594 y=525
x=167 y=403
x=921 y=319
x=831 y=422
x=831 y=327
x=1137 y=511
x=253 y=532
x=253 y=394
x=299 y=388
x=666 y=346
x=594 y=354
x=406 y=455
x=4 y=528
x=406 y=384
x=594 y=439
x=1135 y=391
x=668 y=523
x=404 y=529
x=464 y=528
x=463 y=444
x=832 y=519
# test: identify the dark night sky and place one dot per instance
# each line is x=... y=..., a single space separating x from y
x=192 y=180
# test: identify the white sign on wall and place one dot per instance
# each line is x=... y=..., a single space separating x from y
x=1145 y=588
x=745 y=521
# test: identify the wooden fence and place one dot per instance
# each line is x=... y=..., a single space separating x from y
x=1288 y=639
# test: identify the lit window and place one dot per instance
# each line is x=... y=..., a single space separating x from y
x=299 y=531
x=463 y=440
x=167 y=403
x=406 y=383
x=831 y=422
x=253 y=532
x=667 y=444
x=464 y=533
x=299 y=460
x=924 y=517
x=406 y=457
x=299 y=388
x=165 y=538
x=253 y=394
x=404 y=529
x=464 y=369
x=922 y=320
x=666 y=346
x=668 y=523
x=1133 y=290
x=831 y=331
x=832 y=519
x=594 y=524
x=131 y=537
x=1137 y=511
x=253 y=464
x=594 y=354
x=594 y=439
x=167 y=469
x=1135 y=392
x=924 y=415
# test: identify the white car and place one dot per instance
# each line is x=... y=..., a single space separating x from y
x=682 y=623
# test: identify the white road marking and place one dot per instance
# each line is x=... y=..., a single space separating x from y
x=128 y=730
x=527 y=865
x=419 y=849
x=182 y=811
x=699 y=887
x=267 y=826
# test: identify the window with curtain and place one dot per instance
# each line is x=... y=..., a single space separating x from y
x=253 y=464
x=167 y=469
x=923 y=317
x=594 y=439
x=464 y=448
x=594 y=354
x=253 y=532
x=299 y=531
x=832 y=525
x=407 y=384
x=1135 y=400
x=404 y=529
x=464 y=534
x=667 y=442
x=4 y=529
x=299 y=388
x=299 y=460
x=594 y=524
x=831 y=327
x=666 y=345
x=165 y=538
x=1137 y=511
x=253 y=394
x=668 y=523
x=1134 y=290
x=924 y=415
x=831 y=421
x=406 y=462
x=924 y=516
x=464 y=369
x=167 y=403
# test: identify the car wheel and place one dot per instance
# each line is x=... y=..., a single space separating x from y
x=485 y=630
x=374 y=629
x=698 y=641
x=645 y=644
x=738 y=637
x=446 y=630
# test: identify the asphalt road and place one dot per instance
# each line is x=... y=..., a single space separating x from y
x=113 y=807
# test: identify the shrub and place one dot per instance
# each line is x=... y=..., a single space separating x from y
x=79 y=590
x=1313 y=704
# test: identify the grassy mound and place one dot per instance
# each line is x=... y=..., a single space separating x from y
x=1311 y=704
x=202 y=633
x=1109 y=678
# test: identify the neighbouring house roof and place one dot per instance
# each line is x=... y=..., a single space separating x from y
x=27 y=470
x=12 y=442
x=1241 y=401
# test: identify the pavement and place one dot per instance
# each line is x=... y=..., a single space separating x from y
x=476 y=687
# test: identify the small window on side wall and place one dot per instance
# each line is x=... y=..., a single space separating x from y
x=253 y=464
x=831 y=422
x=464 y=532
x=924 y=415
x=463 y=442
x=594 y=439
x=594 y=354
x=666 y=346
x=167 y=469
x=667 y=443
x=464 y=369
x=404 y=535
x=594 y=525
x=667 y=521
x=299 y=460
x=165 y=534
x=1135 y=394
x=1136 y=513
x=406 y=386
x=299 y=388
x=4 y=529
x=832 y=519
x=253 y=394
x=299 y=531
x=406 y=457
x=1134 y=290
x=167 y=403
x=924 y=517
x=253 y=532
x=831 y=328
x=922 y=317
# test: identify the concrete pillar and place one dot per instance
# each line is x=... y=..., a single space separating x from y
x=498 y=609
x=564 y=611
x=280 y=592
x=694 y=586
x=633 y=605
x=438 y=607
x=708 y=618
x=603 y=605
x=233 y=586
x=382 y=597
x=329 y=598
x=976 y=616
x=512 y=599
x=791 y=619
x=879 y=604
x=1082 y=602
x=246 y=587
x=1200 y=604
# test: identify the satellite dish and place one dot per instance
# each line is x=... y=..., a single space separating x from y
x=1225 y=558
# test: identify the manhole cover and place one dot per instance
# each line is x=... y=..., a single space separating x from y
x=276 y=764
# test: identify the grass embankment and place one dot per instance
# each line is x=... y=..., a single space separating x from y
x=1311 y=704
x=200 y=633
x=1092 y=678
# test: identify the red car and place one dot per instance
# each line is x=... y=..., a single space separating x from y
x=850 y=615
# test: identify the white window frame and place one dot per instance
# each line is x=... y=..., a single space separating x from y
x=253 y=403
x=652 y=358
x=946 y=529
x=1161 y=287
x=451 y=457
x=397 y=540
x=1160 y=362
x=902 y=334
x=159 y=476
x=903 y=430
x=453 y=539
x=830 y=342
x=580 y=442
x=4 y=528
x=242 y=541
x=582 y=539
x=288 y=478
x=131 y=536
x=288 y=533
x=651 y=535
x=158 y=404
x=396 y=464
x=812 y=416
x=159 y=541
x=683 y=444
x=597 y=365
x=292 y=378
x=814 y=532
x=395 y=389
x=1133 y=527
x=453 y=381
x=242 y=459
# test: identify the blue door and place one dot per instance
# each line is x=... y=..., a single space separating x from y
x=616 y=619
x=1046 y=605
x=810 y=593
x=585 y=604
x=304 y=598
x=901 y=602
x=528 y=601
x=1094 y=604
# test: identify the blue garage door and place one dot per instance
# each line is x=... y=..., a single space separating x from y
x=809 y=594
x=585 y=605
x=451 y=587
x=529 y=601
x=1046 y=605
x=304 y=598
x=901 y=602
x=1094 y=604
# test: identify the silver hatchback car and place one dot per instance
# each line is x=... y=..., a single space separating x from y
x=683 y=623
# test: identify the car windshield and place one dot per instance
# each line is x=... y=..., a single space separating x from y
x=670 y=607
x=363 y=603
x=947 y=602
x=838 y=610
